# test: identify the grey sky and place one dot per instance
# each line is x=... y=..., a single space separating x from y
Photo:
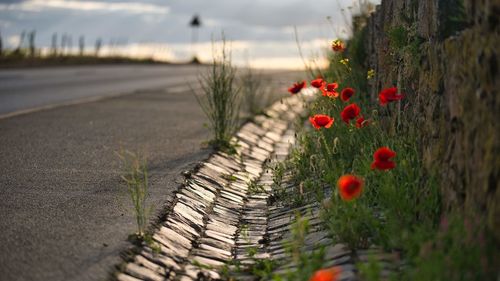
x=166 y=21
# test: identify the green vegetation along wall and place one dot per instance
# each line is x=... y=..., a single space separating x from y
x=443 y=54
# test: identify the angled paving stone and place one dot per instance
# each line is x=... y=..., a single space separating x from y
x=236 y=189
x=143 y=273
x=221 y=227
x=185 y=278
x=254 y=128
x=140 y=260
x=174 y=236
x=249 y=138
x=231 y=197
x=160 y=259
x=221 y=252
x=170 y=249
x=201 y=274
x=205 y=261
x=185 y=212
x=125 y=277
x=217 y=255
x=273 y=136
x=224 y=160
x=273 y=114
x=192 y=199
x=220 y=236
x=184 y=229
x=225 y=219
x=216 y=243
x=215 y=169
x=221 y=221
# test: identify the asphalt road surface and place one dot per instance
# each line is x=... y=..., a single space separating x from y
x=64 y=212
x=27 y=90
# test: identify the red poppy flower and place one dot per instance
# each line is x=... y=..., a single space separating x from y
x=321 y=120
x=330 y=90
x=331 y=94
x=338 y=45
x=389 y=95
x=329 y=274
x=382 y=159
x=346 y=94
x=361 y=122
x=350 y=112
x=332 y=87
x=297 y=87
x=350 y=187
x=318 y=83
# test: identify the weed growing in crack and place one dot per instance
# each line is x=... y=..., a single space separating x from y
x=220 y=99
x=278 y=190
x=135 y=175
x=306 y=261
x=278 y=172
x=229 y=178
x=292 y=193
x=255 y=188
x=202 y=265
x=261 y=268
x=299 y=231
x=370 y=271
x=151 y=243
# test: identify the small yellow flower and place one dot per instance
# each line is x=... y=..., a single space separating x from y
x=370 y=74
x=345 y=62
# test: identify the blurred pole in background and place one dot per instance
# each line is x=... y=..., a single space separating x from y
x=31 y=37
x=195 y=23
x=98 y=44
x=70 y=45
x=1 y=44
x=54 y=44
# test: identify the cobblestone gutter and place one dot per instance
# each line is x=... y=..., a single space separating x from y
x=200 y=232
x=216 y=219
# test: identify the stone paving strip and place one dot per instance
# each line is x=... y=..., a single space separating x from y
x=199 y=233
x=217 y=219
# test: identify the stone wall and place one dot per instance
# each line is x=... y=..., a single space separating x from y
x=449 y=71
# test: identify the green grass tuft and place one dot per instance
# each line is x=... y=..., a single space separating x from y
x=220 y=99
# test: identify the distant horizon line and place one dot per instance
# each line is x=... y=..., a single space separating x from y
x=241 y=55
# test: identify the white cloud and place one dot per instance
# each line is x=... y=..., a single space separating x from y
x=294 y=62
x=127 y=7
x=14 y=40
